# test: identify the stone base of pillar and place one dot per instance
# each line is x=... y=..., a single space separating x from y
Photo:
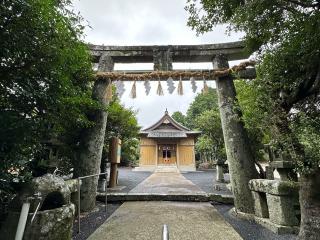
x=269 y=172
x=102 y=185
x=219 y=173
x=260 y=204
x=265 y=222
x=276 y=204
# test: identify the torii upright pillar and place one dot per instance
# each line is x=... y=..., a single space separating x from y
x=92 y=139
x=239 y=154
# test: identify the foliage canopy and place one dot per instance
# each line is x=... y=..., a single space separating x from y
x=285 y=37
x=44 y=82
x=122 y=123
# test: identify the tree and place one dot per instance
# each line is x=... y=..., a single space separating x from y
x=285 y=35
x=179 y=117
x=255 y=117
x=201 y=103
x=203 y=115
x=44 y=92
x=122 y=123
x=130 y=152
x=204 y=146
x=210 y=125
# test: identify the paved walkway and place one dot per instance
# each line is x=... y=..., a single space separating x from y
x=167 y=183
x=186 y=221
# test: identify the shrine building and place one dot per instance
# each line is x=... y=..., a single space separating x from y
x=167 y=144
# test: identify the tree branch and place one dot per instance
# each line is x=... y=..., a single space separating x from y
x=306 y=89
x=316 y=85
x=303 y=4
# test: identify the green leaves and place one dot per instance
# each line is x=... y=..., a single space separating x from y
x=203 y=114
x=285 y=36
x=179 y=117
x=123 y=123
x=44 y=74
x=201 y=103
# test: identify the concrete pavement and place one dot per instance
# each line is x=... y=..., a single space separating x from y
x=186 y=220
x=167 y=183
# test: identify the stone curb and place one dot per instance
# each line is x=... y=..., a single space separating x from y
x=123 y=197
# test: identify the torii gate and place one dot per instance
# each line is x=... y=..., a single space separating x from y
x=239 y=155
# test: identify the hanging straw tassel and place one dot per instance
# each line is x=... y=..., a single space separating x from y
x=205 y=89
x=180 y=87
x=108 y=94
x=133 y=93
x=159 y=89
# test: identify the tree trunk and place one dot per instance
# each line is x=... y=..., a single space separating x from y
x=310 y=205
x=92 y=140
x=239 y=154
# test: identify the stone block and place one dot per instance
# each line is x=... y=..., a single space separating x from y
x=281 y=210
x=281 y=197
x=102 y=184
x=274 y=187
x=276 y=228
x=54 y=218
x=260 y=204
x=285 y=170
x=269 y=173
x=203 y=197
x=282 y=164
x=265 y=222
x=72 y=185
x=219 y=174
x=47 y=225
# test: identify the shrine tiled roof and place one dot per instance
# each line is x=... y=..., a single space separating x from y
x=167 y=127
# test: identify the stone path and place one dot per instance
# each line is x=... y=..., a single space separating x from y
x=186 y=221
x=167 y=183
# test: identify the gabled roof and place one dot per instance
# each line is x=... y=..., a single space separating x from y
x=167 y=127
x=166 y=119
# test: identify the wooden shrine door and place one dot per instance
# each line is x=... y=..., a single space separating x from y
x=167 y=154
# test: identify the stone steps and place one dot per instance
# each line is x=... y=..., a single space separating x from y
x=167 y=169
x=195 y=197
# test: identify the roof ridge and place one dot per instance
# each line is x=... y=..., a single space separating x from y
x=176 y=124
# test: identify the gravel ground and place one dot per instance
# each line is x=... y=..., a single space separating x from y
x=206 y=181
x=91 y=221
x=130 y=179
x=250 y=230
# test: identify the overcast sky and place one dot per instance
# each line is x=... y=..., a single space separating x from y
x=148 y=22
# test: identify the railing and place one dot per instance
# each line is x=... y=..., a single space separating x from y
x=79 y=203
x=24 y=215
x=165 y=232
